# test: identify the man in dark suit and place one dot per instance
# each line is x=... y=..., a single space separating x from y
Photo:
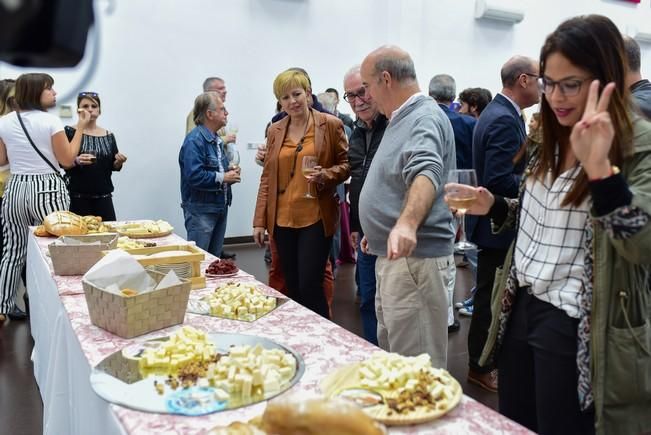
x=443 y=89
x=498 y=136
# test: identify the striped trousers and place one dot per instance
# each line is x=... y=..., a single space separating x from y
x=27 y=200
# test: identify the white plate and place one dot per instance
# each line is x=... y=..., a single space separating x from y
x=117 y=380
x=227 y=275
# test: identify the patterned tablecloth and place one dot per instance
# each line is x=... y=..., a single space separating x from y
x=323 y=345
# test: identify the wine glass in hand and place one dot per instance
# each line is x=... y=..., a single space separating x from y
x=233 y=159
x=462 y=199
x=309 y=162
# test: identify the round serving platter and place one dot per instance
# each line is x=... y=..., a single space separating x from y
x=117 y=379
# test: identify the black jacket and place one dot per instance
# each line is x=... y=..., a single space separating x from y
x=498 y=136
x=360 y=155
x=642 y=94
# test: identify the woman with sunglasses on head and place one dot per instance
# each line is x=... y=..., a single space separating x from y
x=34 y=144
x=302 y=226
x=571 y=328
x=91 y=188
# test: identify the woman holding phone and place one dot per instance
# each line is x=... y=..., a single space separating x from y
x=91 y=188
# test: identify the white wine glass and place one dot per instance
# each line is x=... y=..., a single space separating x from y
x=462 y=200
x=309 y=162
x=233 y=158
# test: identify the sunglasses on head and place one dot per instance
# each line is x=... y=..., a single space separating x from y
x=88 y=94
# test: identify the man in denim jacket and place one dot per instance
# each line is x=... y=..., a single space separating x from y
x=205 y=176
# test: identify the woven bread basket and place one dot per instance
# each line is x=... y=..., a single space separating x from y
x=129 y=317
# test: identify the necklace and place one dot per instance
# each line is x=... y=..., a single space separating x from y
x=299 y=148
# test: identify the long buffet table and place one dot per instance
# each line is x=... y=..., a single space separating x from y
x=67 y=346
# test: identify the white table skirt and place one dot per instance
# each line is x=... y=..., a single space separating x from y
x=61 y=369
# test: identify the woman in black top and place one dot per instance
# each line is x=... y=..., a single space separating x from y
x=90 y=178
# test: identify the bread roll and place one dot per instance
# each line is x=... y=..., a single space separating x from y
x=40 y=231
x=317 y=416
x=65 y=223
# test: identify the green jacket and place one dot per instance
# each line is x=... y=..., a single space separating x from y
x=620 y=318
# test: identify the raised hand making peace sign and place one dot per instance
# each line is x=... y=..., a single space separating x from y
x=593 y=135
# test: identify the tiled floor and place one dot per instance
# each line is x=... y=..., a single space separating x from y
x=21 y=409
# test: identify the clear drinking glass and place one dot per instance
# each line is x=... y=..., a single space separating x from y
x=233 y=156
x=309 y=162
x=461 y=199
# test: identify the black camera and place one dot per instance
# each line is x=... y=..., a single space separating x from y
x=44 y=33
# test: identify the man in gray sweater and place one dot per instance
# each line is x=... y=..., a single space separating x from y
x=404 y=218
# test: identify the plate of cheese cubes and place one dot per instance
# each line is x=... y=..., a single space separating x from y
x=236 y=301
x=192 y=372
x=395 y=389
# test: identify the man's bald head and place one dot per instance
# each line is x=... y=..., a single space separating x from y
x=394 y=61
x=515 y=67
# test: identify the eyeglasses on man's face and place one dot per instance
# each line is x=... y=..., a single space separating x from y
x=360 y=93
x=568 y=87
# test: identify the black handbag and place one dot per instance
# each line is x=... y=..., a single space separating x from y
x=45 y=159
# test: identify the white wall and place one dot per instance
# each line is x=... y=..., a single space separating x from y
x=154 y=55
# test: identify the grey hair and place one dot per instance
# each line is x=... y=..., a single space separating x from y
x=204 y=102
x=352 y=71
x=209 y=81
x=401 y=69
x=514 y=68
x=633 y=56
x=328 y=101
x=442 y=88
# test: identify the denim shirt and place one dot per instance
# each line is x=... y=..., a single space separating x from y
x=201 y=158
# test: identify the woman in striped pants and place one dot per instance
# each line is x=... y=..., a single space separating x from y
x=35 y=189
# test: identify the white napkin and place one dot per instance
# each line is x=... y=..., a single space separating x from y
x=119 y=270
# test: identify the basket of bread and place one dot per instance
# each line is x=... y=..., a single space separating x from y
x=74 y=255
x=395 y=389
x=128 y=300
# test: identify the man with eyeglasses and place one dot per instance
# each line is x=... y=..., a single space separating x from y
x=215 y=84
x=367 y=133
x=205 y=178
x=498 y=136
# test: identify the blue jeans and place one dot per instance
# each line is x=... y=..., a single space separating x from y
x=206 y=229
x=366 y=273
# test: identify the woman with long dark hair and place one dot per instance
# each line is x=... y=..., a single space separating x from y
x=571 y=329
x=32 y=141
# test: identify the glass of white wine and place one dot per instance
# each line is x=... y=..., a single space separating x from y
x=309 y=162
x=233 y=158
x=462 y=200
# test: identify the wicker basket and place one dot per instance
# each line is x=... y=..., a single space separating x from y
x=129 y=317
x=77 y=259
x=195 y=258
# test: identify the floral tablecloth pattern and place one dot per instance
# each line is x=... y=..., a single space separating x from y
x=323 y=345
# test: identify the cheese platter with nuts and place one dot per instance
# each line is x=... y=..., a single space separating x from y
x=192 y=372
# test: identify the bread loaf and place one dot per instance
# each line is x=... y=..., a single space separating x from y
x=40 y=231
x=317 y=416
x=65 y=223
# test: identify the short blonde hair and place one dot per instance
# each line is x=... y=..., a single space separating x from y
x=290 y=79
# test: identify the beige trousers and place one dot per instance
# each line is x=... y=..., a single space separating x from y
x=411 y=303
